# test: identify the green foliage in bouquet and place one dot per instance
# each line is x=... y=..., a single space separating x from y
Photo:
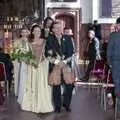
x=24 y=55
x=15 y=54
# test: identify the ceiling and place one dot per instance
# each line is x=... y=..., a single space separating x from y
x=19 y=7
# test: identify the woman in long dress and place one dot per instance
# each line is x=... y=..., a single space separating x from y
x=19 y=43
x=24 y=46
x=37 y=93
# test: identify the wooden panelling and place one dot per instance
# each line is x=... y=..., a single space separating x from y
x=106 y=29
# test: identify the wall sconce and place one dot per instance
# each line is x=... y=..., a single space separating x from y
x=6 y=34
x=5 y=26
x=16 y=18
x=11 y=18
x=36 y=15
x=8 y=18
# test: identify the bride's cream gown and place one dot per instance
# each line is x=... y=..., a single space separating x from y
x=37 y=95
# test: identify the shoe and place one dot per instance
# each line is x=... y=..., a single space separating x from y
x=110 y=100
x=118 y=116
x=67 y=108
x=84 y=79
x=57 y=110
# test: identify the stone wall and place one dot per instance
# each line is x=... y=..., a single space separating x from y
x=115 y=8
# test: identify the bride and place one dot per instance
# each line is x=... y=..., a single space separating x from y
x=37 y=93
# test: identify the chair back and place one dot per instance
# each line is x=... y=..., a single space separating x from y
x=109 y=77
x=2 y=72
x=99 y=68
x=3 y=77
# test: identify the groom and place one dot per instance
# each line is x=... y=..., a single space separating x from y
x=59 y=49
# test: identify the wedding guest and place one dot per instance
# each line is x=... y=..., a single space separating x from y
x=20 y=44
x=113 y=56
x=93 y=53
x=59 y=50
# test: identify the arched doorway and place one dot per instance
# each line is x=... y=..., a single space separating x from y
x=68 y=19
x=72 y=20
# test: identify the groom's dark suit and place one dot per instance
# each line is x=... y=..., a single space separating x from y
x=65 y=50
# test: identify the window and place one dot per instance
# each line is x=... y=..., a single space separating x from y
x=63 y=0
x=105 y=8
x=115 y=8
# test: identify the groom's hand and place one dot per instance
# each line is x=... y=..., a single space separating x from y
x=56 y=62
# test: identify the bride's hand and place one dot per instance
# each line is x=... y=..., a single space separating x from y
x=50 y=52
x=61 y=64
x=56 y=62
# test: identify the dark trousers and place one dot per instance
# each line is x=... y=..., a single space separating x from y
x=89 y=68
x=67 y=95
x=116 y=76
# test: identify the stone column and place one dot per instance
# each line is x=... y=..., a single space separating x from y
x=115 y=8
x=41 y=5
x=95 y=11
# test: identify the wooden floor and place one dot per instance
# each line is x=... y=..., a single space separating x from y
x=84 y=107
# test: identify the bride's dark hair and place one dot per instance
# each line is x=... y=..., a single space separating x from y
x=31 y=36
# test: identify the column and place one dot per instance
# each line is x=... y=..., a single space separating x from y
x=95 y=10
x=41 y=4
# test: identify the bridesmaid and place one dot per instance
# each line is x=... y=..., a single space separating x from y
x=23 y=66
x=19 y=43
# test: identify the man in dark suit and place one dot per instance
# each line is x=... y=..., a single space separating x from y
x=97 y=29
x=113 y=57
x=60 y=50
x=93 y=53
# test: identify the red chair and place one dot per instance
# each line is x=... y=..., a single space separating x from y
x=1 y=96
x=98 y=72
x=109 y=77
x=97 y=75
x=2 y=75
x=110 y=85
x=3 y=78
x=106 y=87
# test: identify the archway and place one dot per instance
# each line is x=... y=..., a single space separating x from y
x=72 y=20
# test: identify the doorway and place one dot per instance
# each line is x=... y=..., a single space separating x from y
x=72 y=20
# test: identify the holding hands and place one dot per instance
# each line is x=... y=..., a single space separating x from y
x=98 y=57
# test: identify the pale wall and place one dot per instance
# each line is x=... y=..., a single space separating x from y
x=90 y=10
x=86 y=6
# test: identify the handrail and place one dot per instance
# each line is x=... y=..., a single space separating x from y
x=93 y=84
